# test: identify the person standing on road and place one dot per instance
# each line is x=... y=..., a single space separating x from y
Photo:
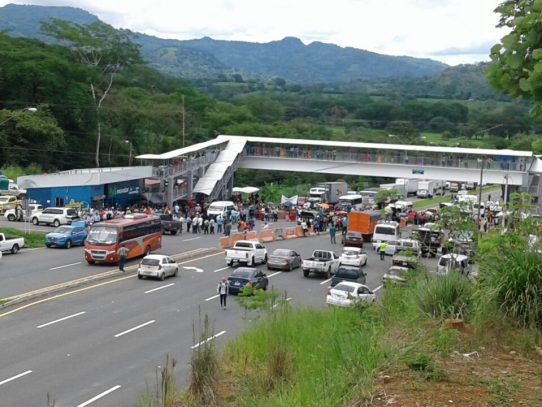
x=382 y=250
x=332 y=231
x=122 y=252
x=222 y=290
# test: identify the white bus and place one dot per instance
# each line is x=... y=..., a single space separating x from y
x=349 y=202
x=368 y=196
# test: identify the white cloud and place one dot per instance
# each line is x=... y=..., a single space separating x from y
x=421 y=28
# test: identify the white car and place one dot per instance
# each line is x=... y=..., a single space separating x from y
x=353 y=256
x=158 y=266
x=346 y=294
x=395 y=275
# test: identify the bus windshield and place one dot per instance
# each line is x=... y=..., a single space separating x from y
x=100 y=235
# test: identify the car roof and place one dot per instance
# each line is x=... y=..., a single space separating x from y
x=244 y=269
x=354 y=249
x=156 y=256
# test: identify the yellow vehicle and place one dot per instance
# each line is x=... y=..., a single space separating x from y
x=8 y=202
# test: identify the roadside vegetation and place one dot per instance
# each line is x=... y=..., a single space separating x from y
x=434 y=340
x=31 y=239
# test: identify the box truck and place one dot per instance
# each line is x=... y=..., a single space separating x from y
x=333 y=190
x=428 y=189
x=363 y=222
x=410 y=186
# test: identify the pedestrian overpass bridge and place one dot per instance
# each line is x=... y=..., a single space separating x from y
x=219 y=159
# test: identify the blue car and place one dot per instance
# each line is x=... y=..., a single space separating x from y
x=67 y=236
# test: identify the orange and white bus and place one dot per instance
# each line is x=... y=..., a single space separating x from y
x=140 y=233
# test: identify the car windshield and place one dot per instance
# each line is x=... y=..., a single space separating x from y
x=3 y=199
x=215 y=208
x=241 y=274
x=150 y=262
x=353 y=234
x=281 y=253
x=384 y=230
x=345 y=288
x=62 y=229
x=351 y=252
x=351 y=273
x=101 y=235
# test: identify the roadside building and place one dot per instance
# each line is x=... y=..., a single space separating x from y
x=91 y=187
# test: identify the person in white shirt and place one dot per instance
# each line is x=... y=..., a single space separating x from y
x=222 y=290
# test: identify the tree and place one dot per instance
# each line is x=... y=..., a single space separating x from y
x=101 y=47
x=516 y=66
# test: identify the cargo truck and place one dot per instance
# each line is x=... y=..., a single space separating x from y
x=333 y=190
x=428 y=189
x=363 y=222
x=410 y=186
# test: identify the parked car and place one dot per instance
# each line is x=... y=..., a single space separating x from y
x=348 y=273
x=11 y=244
x=67 y=236
x=170 y=225
x=346 y=294
x=322 y=262
x=158 y=266
x=19 y=214
x=284 y=259
x=401 y=260
x=353 y=256
x=396 y=246
x=352 y=239
x=8 y=202
x=249 y=252
x=55 y=216
x=453 y=261
x=243 y=275
x=395 y=275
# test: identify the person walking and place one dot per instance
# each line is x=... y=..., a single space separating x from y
x=332 y=231
x=122 y=252
x=222 y=290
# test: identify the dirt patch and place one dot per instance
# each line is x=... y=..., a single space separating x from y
x=483 y=378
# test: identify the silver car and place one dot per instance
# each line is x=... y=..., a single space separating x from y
x=158 y=266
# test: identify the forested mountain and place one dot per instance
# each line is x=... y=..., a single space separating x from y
x=289 y=58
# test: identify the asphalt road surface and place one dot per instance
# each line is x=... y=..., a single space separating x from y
x=102 y=345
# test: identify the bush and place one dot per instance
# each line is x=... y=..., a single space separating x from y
x=448 y=296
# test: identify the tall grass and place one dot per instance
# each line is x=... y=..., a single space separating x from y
x=448 y=296
x=511 y=285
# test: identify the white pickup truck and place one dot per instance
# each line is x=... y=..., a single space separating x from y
x=248 y=252
x=11 y=244
x=322 y=262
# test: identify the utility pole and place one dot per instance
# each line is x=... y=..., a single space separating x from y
x=480 y=192
x=504 y=207
x=183 y=123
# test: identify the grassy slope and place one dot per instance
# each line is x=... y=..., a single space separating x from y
x=334 y=357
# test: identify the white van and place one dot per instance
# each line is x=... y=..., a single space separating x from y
x=384 y=232
x=220 y=208
x=451 y=261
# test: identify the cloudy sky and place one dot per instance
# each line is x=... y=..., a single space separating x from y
x=452 y=31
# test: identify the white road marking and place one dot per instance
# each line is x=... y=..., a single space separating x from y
x=377 y=288
x=61 y=319
x=325 y=281
x=193 y=238
x=212 y=298
x=15 y=377
x=66 y=265
x=207 y=340
x=280 y=302
x=223 y=268
x=152 y=321
x=274 y=274
x=159 y=288
x=197 y=270
x=99 y=396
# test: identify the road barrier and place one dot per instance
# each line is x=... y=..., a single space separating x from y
x=265 y=235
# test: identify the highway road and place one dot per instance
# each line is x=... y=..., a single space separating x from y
x=101 y=345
